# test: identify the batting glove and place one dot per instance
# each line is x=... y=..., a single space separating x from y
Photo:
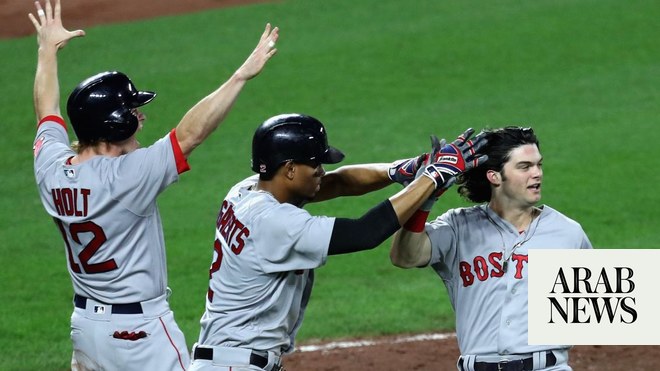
x=445 y=162
x=404 y=171
x=452 y=159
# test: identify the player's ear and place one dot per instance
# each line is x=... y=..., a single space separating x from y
x=494 y=177
x=290 y=169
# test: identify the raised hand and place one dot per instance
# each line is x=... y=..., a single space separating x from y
x=260 y=55
x=404 y=171
x=454 y=158
x=49 y=26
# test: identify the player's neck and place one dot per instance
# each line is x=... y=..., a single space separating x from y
x=280 y=187
x=519 y=217
x=100 y=149
x=270 y=186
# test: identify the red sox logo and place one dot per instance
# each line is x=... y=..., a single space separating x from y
x=483 y=268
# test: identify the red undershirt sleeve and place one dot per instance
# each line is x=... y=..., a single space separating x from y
x=53 y=118
x=181 y=162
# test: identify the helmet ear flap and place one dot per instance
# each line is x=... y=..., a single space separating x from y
x=121 y=123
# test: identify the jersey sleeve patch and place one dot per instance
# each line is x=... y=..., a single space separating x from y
x=37 y=145
x=181 y=162
x=53 y=118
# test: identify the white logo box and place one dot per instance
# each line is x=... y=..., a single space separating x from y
x=627 y=280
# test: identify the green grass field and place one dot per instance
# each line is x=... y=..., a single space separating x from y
x=382 y=76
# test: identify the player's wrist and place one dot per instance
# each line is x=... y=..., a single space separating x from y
x=417 y=221
x=239 y=77
x=47 y=48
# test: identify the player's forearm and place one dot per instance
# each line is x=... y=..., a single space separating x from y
x=46 y=83
x=409 y=199
x=353 y=180
x=369 y=231
x=205 y=116
x=410 y=249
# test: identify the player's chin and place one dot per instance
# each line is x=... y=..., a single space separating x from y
x=534 y=193
x=312 y=195
x=535 y=197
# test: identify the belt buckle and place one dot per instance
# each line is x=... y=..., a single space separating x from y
x=501 y=365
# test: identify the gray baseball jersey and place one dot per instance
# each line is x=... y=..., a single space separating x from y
x=105 y=209
x=262 y=271
x=482 y=260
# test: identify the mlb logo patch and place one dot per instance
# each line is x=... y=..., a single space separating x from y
x=99 y=309
x=69 y=173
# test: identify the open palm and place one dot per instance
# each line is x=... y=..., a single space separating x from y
x=48 y=24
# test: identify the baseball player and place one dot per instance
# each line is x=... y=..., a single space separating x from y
x=102 y=198
x=266 y=246
x=480 y=253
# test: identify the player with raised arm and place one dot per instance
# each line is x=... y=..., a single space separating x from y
x=267 y=246
x=480 y=253
x=102 y=197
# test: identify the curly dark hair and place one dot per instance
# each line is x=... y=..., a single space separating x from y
x=473 y=184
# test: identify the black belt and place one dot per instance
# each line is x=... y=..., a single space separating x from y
x=525 y=364
x=131 y=308
x=255 y=359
